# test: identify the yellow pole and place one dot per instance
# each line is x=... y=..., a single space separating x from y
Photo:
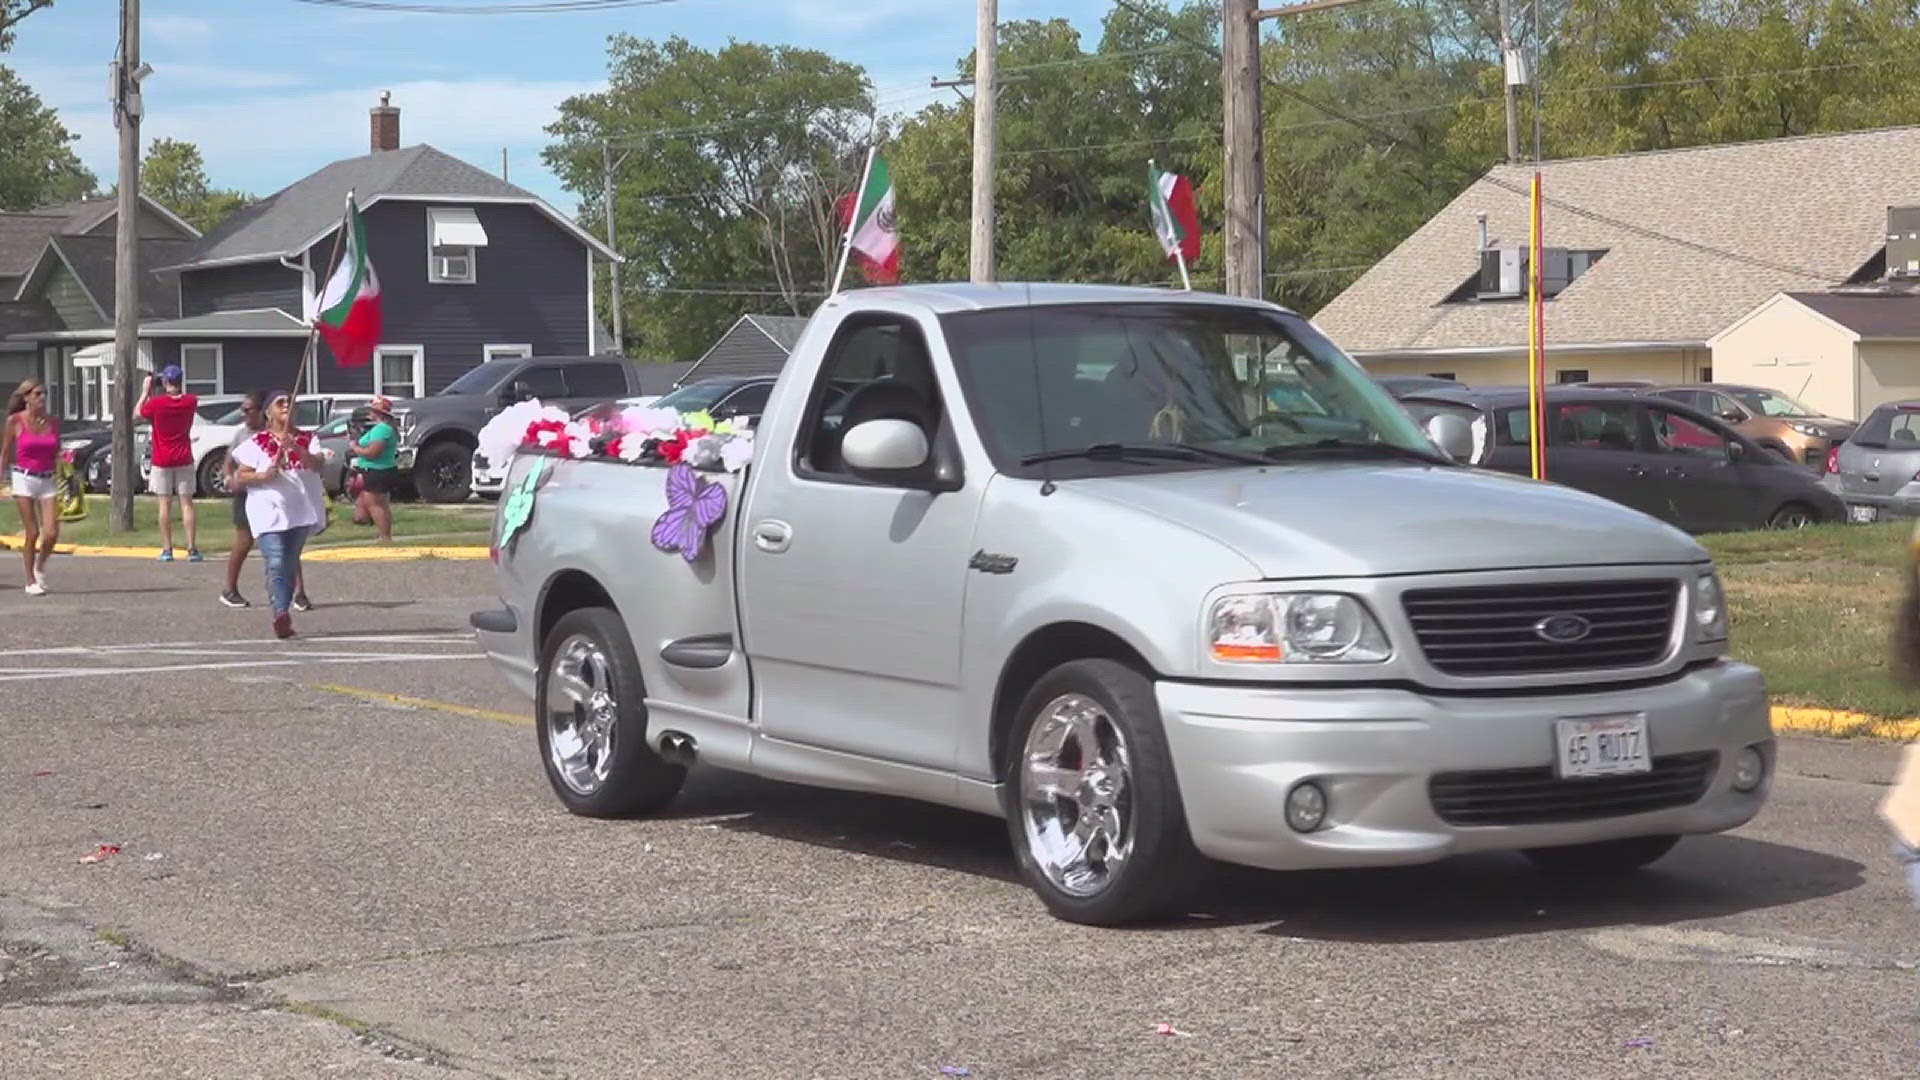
x=1536 y=352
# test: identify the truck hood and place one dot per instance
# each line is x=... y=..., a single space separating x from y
x=1369 y=519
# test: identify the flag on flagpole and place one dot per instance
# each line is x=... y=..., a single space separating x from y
x=1175 y=222
x=870 y=224
x=347 y=312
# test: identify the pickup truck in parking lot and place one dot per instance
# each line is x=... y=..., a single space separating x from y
x=1063 y=555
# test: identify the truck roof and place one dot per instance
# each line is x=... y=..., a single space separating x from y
x=965 y=296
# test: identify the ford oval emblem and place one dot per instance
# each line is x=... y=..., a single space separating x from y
x=1562 y=629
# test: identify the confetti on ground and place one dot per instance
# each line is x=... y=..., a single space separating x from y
x=955 y=1070
x=42 y=772
x=153 y=856
x=101 y=853
x=1640 y=1042
x=1169 y=1029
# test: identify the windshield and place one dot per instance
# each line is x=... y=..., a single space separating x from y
x=1768 y=403
x=482 y=379
x=1238 y=380
x=694 y=397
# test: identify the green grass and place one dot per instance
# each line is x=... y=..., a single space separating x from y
x=1813 y=610
x=445 y=525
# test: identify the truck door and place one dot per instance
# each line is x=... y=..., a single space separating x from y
x=851 y=590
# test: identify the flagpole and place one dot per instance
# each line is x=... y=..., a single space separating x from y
x=1180 y=256
x=853 y=218
x=333 y=263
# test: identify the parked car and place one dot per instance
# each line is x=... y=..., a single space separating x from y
x=439 y=433
x=1402 y=385
x=1289 y=641
x=1876 y=472
x=1768 y=417
x=217 y=422
x=1658 y=456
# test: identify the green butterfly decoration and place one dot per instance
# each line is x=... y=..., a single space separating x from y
x=517 y=510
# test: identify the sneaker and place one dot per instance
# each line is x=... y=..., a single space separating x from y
x=40 y=572
x=34 y=588
x=167 y=555
x=193 y=555
x=283 y=626
x=301 y=603
x=233 y=599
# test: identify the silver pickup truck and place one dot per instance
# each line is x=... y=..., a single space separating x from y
x=1157 y=577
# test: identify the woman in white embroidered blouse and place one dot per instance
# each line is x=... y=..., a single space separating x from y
x=270 y=467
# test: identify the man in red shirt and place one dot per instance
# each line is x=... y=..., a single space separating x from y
x=171 y=414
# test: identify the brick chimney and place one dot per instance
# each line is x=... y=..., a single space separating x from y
x=385 y=123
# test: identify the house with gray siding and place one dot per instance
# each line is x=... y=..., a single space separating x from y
x=753 y=345
x=471 y=268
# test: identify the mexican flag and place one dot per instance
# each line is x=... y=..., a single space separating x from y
x=347 y=312
x=870 y=229
x=1175 y=222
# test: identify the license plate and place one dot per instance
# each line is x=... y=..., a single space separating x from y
x=1601 y=746
x=1862 y=514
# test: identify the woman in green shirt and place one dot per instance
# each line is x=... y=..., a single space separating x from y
x=376 y=455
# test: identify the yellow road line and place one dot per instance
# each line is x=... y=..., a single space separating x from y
x=404 y=701
x=1838 y=723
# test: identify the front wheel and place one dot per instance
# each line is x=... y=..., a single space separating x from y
x=444 y=473
x=590 y=719
x=213 y=474
x=1603 y=858
x=1092 y=803
x=1793 y=516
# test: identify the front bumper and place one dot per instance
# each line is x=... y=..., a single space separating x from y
x=1238 y=751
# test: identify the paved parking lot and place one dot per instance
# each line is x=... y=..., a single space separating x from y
x=338 y=856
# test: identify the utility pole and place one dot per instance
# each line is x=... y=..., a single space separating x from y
x=1240 y=85
x=614 y=299
x=1512 y=94
x=127 y=72
x=985 y=104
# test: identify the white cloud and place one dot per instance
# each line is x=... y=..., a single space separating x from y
x=180 y=31
x=169 y=75
x=839 y=15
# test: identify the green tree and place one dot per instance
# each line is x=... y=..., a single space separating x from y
x=731 y=161
x=37 y=162
x=174 y=175
x=11 y=12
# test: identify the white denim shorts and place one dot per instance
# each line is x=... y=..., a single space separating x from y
x=173 y=480
x=34 y=487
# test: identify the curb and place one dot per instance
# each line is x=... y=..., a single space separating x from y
x=396 y=553
x=1839 y=724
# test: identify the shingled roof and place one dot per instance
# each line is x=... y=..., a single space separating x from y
x=91 y=259
x=286 y=222
x=1694 y=239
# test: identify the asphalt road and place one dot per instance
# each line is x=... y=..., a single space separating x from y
x=313 y=879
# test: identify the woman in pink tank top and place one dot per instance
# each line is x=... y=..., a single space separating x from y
x=30 y=444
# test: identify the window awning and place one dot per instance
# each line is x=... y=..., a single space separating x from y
x=101 y=356
x=455 y=226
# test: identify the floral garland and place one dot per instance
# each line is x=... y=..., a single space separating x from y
x=637 y=435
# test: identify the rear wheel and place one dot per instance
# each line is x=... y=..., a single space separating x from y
x=1092 y=803
x=1602 y=858
x=444 y=473
x=213 y=473
x=1793 y=516
x=590 y=720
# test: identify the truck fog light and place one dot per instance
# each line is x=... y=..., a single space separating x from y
x=1306 y=806
x=1749 y=768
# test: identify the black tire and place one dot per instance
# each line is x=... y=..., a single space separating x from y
x=444 y=473
x=1152 y=879
x=637 y=781
x=1605 y=858
x=213 y=478
x=97 y=470
x=1793 y=515
x=488 y=496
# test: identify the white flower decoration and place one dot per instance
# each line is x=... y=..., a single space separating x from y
x=503 y=434
x=737 y=452
x=644 y=421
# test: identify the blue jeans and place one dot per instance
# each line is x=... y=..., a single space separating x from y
x=281 y=552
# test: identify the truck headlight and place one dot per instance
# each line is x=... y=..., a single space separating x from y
x=1807 y=429
x=1709 y=608
x=1294 y=628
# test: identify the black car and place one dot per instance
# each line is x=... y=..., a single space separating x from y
x=1401 y=386
x=1657 y=456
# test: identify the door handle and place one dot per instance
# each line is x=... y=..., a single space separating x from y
x=1635 y=470
x=772 y=536
x=1676 y=472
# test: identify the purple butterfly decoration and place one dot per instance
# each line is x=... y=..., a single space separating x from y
x=694 y=506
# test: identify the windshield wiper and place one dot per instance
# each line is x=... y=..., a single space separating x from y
x=1343 y=446
x=1153 y=451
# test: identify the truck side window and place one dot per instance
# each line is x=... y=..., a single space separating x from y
x=877 y=368
x=1591 y=427
x=545 y=383
x=596 y=380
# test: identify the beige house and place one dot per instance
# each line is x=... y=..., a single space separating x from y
x=1842 y=353
x=1652 y=256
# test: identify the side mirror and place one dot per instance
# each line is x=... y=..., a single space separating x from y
x=1733 y=416
x=884 y=446
x=1736 y=451
x=520 y=391
x=1453 y=435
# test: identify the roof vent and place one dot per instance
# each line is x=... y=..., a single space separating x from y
x=1903 y=241
x=1503 y=271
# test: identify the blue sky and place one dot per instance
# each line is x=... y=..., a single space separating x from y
x=272 y=89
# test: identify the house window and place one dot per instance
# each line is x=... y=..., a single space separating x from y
x=453 y=234
x=205 y=368
x=69 y=380
x=400 y=371
x=1570 y=375
x=506 y=352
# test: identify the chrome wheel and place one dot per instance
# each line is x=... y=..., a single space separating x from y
x=580 y=714
x=1793 y=516
x=1076 y=795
